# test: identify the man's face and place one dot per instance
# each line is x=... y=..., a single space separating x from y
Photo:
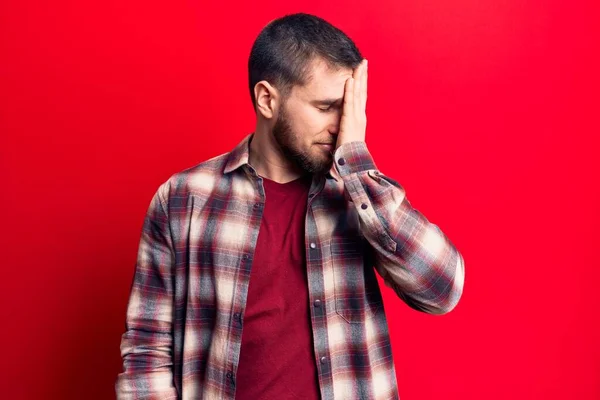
x=310 y=117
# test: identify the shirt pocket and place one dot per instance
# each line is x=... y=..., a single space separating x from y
x=356 y=290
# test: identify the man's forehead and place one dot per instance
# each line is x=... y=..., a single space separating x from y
x=325 y=80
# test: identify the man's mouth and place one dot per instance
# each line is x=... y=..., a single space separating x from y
x=326 y=146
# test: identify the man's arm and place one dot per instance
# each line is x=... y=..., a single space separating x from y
x=411 y=254
x=146 y=345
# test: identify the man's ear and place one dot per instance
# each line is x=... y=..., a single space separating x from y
x=267 y=99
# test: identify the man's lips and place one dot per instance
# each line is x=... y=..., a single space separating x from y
x=327 y=147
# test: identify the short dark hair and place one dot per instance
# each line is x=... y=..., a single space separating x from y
x=284 y=49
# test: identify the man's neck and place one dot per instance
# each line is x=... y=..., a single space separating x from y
x=268 y=160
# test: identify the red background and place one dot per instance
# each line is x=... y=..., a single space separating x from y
x=486 y=111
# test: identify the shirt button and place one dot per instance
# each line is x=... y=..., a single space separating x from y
x=323 y=360
x=341 y=161
x=229 y=375
x=313 y=246
x=257 y=205
x=364 y=206
x=317 y=303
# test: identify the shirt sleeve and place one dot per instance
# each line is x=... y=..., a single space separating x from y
x=412 y=255
x=146 y=345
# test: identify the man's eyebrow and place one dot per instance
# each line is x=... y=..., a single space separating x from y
x=327 y=102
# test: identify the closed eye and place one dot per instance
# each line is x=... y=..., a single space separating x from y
x=326 y=105
x=327 y=109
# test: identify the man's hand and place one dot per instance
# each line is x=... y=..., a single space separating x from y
x=353 y=124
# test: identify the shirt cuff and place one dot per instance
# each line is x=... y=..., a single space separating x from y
x=353 y=157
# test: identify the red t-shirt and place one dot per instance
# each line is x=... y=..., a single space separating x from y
x=277 y=358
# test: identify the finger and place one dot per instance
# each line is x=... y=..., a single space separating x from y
x=359 y=83
x=364 y=85
x=349 y=96
x=358 y=88
x=356 y=71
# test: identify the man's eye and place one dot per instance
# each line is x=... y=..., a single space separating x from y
x=324 y=109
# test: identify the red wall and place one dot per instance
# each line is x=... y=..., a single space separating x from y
x=486 y=111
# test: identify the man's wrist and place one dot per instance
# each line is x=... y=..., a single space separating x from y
x=352 y=157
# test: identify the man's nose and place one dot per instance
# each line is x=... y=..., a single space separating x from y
x=335 y=122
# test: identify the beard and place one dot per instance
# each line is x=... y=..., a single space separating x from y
x=285 y=138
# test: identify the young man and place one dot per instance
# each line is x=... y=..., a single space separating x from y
x=256 y=275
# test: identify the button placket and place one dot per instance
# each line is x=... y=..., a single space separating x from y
x=238 y=318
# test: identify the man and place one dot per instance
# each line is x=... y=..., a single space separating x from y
x=255 y=276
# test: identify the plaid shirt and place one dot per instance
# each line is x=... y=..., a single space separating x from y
x=186 y=307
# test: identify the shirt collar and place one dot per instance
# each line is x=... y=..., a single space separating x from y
x=239 y=156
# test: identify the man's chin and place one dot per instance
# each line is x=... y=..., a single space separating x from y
x=323 y=168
